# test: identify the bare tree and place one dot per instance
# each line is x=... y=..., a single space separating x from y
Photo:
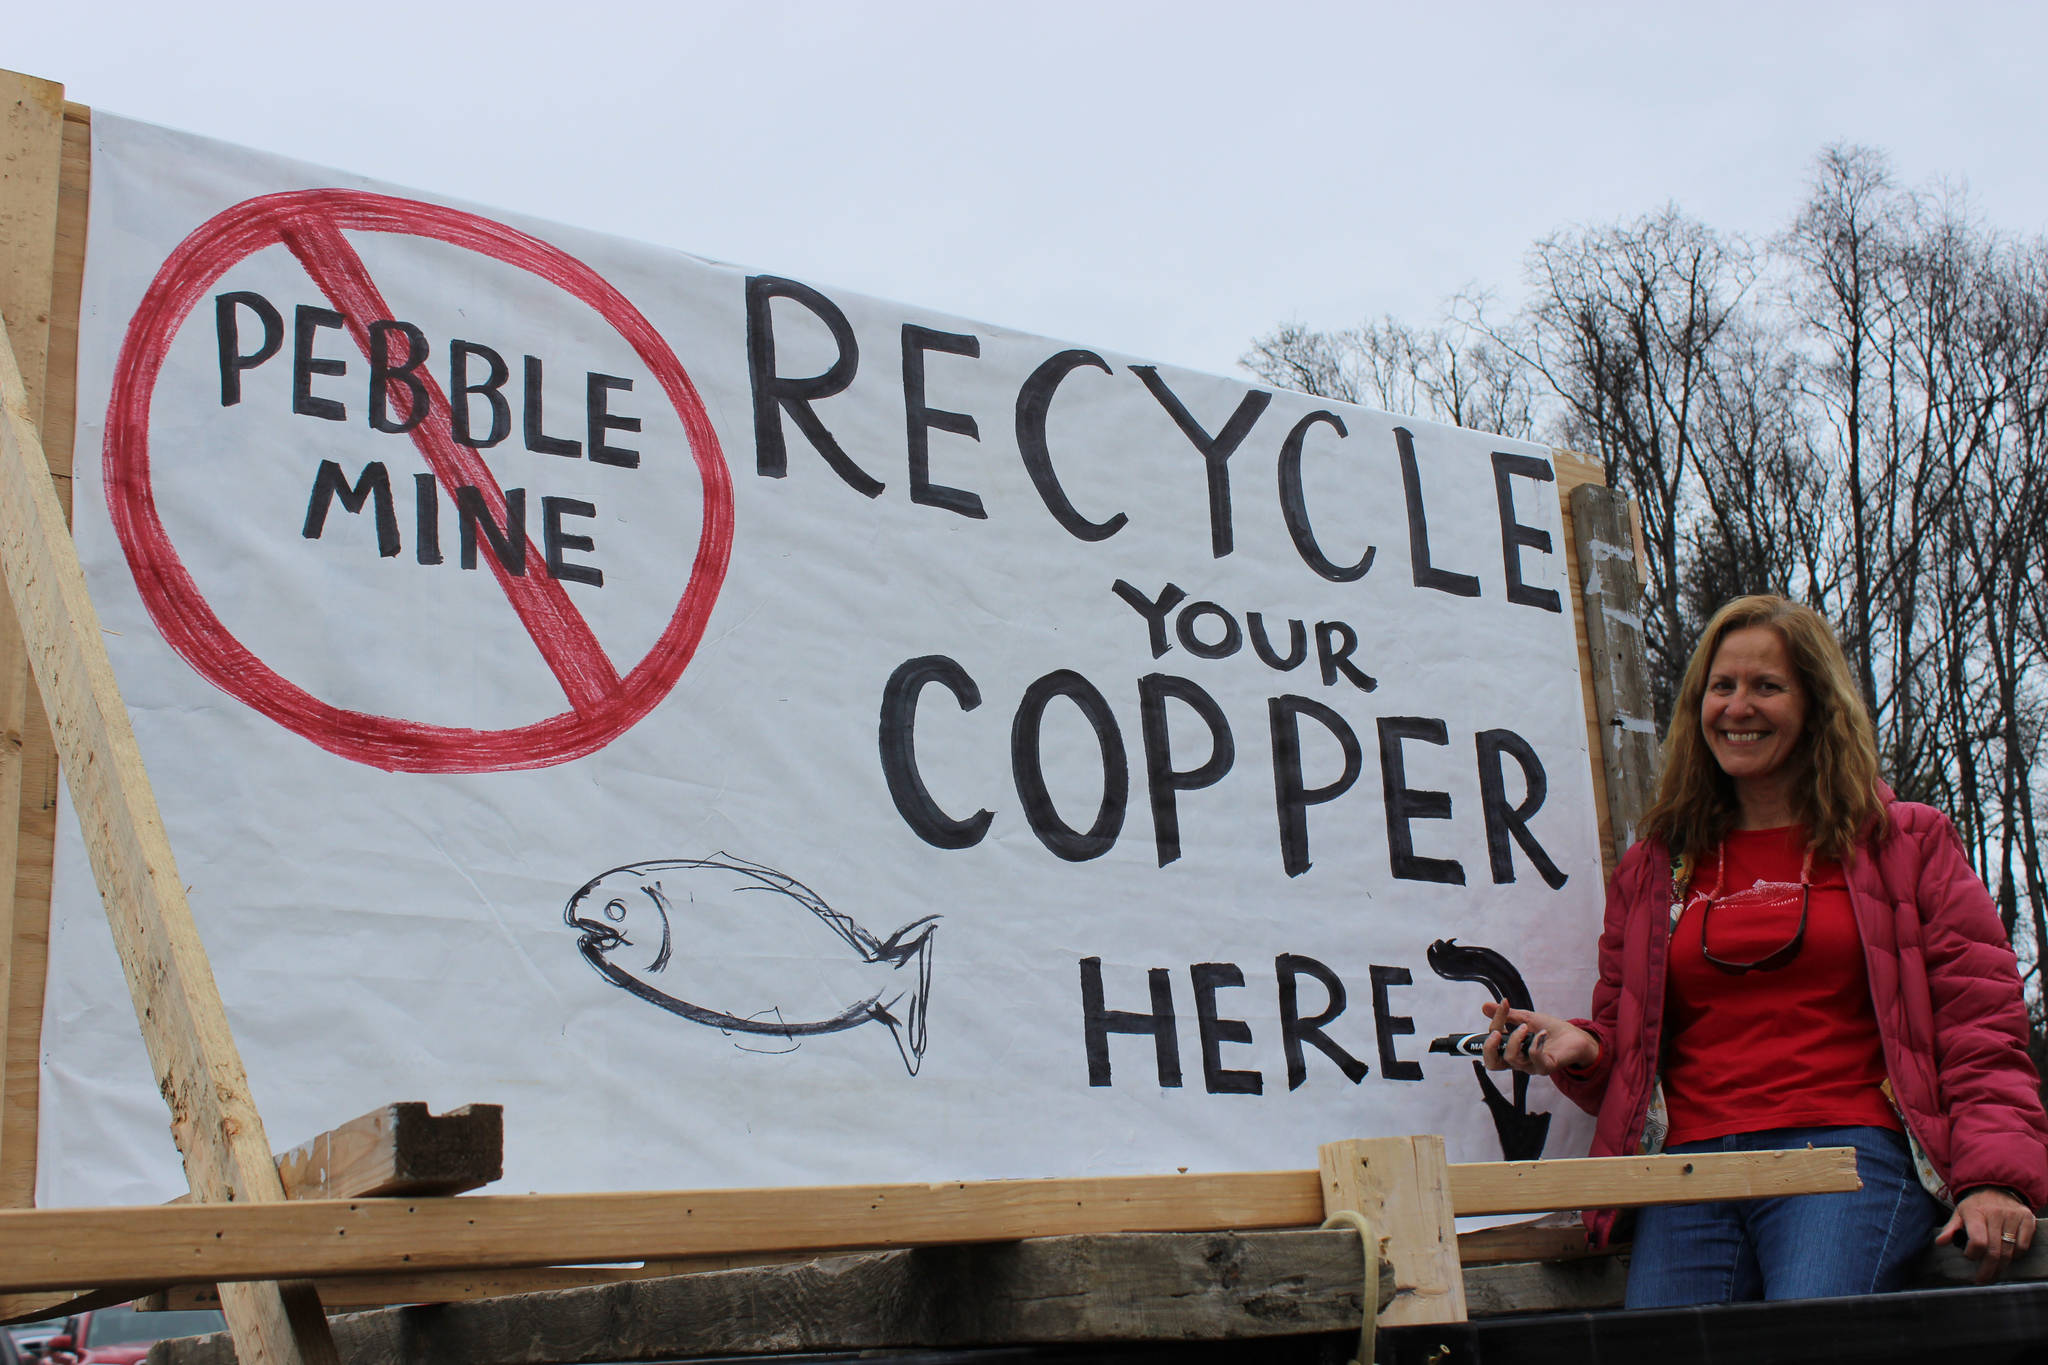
x=1625 y=327
x=1855 y=414
x=1765 y=503
x=1445 y=374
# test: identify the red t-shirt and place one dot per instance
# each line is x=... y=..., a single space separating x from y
x=1791 y=1048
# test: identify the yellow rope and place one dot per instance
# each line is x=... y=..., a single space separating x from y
x=1369 y=1309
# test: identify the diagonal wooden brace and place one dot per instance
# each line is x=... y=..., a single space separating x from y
x=197 y=1065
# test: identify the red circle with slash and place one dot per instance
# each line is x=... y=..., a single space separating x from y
x=603 y=703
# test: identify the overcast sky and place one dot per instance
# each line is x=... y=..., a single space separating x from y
x=1166 y=180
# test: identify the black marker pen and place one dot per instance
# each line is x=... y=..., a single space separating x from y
x=1462 y=1044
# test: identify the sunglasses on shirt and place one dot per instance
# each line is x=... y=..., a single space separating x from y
x=1771 y=961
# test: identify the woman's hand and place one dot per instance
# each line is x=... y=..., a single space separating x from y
x=1523 y=1040
x=1996 y=1227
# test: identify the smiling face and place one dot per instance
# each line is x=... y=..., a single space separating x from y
x=1753 y=714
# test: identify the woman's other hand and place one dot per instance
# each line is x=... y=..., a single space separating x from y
x=1995 y=1227
x=1523 y=1040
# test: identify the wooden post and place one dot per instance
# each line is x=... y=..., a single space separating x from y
x=177 y=1005
x=31 y=156
x=1403 y=1187
x=25 y=896
x=1611 y=596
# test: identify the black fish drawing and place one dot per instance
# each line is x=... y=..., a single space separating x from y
x=644 y=928
x=1521 y=1132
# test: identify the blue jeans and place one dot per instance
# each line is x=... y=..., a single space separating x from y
x=1810 y=1246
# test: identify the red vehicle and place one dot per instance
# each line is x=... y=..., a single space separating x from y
x=122 y=1336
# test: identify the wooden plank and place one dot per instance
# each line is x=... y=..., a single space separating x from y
x=453 y=1286
x=25 y=900
x=1576 y=471
x=60 y=1248
x=1622 y=1182
x=1522 y=1242
x=398 y=1150
x=826 y=1310
x=1536 y=1270
x=1948 y=1265
x=1610 y=598
x=74 y=195
x=183 y=1023
x=1585 y=1284
x=63 y=1303
x=1174 y=1287
x=1403 y=1187
x=31 y=164
x=99 y=1247
x=29 y=935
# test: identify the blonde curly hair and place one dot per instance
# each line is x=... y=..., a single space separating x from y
x=1837 y=795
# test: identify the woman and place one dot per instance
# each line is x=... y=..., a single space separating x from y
x=1792 y=957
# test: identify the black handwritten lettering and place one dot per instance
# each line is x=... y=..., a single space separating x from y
x=1405 y=804
x=899 y=753
x=1215 y=450
x=1098 y=1021
x=1164 y=781
x=1295 y=1030
x=1503 y=821
x=1027 y=766
x=1034 y=404
x=227 y=331
x=373 y=485
x=1210 y=977
x=1294 y=505
x=1426 y=574
x=775 y=394
x=1514 y=535
x=1291 y=797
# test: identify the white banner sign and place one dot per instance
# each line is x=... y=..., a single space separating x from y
x=764 y=735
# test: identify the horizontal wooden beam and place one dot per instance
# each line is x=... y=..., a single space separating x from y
x=1584 y=1284
x=1185 y=1286
x=102 y=1248
x=1517 y=1242
x=51 y=1248
x=442 y=1286
x=1484 y=1247
x=451 y=1286
x=1632 y=1182
x=1481 y=1253
x=62 y=1303
x=401 y=1149
x=1176 y=1286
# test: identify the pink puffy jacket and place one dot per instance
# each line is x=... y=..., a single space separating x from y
x=1943 y=982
